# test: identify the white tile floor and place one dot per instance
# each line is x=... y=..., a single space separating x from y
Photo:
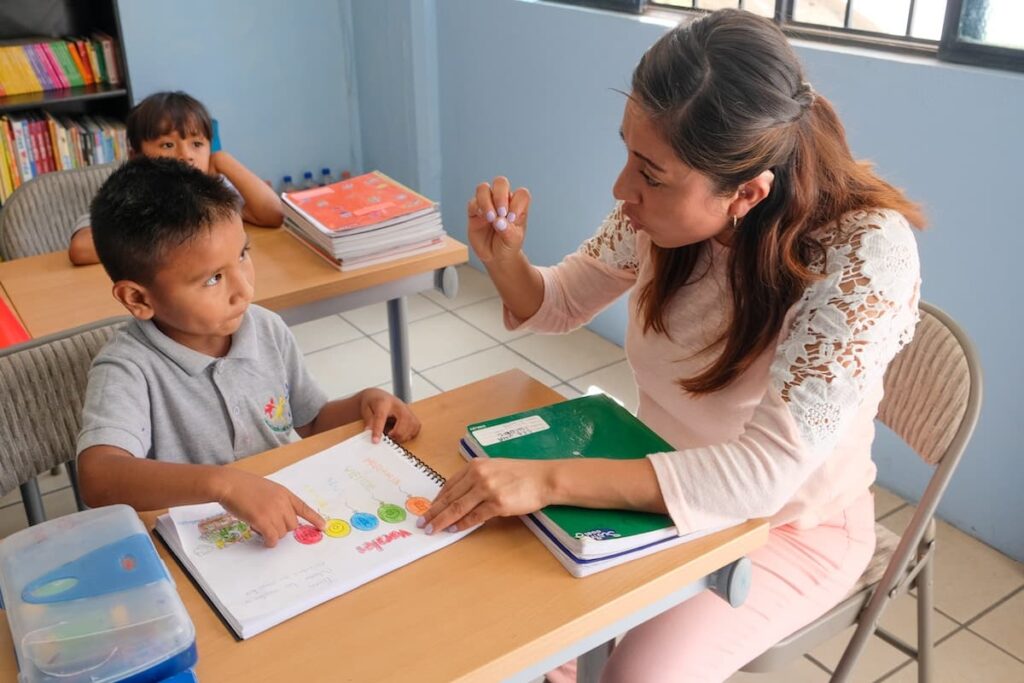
x=979 y=592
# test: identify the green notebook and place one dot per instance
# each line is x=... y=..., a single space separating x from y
x=585 y=427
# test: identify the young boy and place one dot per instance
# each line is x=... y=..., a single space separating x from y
x=176 y=125
x=200 y=377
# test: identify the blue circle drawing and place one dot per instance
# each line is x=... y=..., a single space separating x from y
x=364 y=521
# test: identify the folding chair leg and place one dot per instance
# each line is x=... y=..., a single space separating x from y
x=925 y=612
x=72 y=469
x=867 y=624
x=33 y=502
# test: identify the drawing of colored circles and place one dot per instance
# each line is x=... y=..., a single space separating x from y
x=364 y=521
x=391 y=513
x=417 y=505
x=307 y=535
x=337 y=528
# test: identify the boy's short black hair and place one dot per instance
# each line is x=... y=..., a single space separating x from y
x=162 y=112
x=148 y=206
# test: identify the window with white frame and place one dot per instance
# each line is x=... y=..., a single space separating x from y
x=982 y=32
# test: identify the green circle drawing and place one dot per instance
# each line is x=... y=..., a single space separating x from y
x=390 y=513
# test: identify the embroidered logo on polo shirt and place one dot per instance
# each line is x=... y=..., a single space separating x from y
x=277 y=413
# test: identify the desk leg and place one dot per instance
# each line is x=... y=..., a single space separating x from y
x=398 y=333
x=591 y=663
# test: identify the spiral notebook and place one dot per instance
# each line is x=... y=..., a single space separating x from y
x=371 y=496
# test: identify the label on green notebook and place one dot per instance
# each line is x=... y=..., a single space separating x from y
x=585 y=427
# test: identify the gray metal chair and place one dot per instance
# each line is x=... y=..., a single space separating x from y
x=43 y=384
x=39 y=216
x=932 y=400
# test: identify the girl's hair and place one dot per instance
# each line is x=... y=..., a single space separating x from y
x=162 y=112
x=730 y=97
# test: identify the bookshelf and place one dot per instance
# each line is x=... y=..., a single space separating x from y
x=81 y=18
x=30 y=21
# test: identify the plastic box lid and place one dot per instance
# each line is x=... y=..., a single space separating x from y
x=88 y=599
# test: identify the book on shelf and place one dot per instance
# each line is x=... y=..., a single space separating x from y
x=32 y=65
x=584 y=540
x=363 y=221
x=371 y=496
x=34 y=143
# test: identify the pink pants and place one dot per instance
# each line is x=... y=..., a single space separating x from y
x=799 y=575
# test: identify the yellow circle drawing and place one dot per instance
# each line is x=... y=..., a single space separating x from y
x=337 y=528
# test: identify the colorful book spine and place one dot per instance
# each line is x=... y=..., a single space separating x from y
x=42 y=73
x=55 y=67
x=22 y=67
x=6 y=182
x=77 y=61
x=94 y=63
x=109 y=58
x=10 y=150
x=78 y=46
x=60 y=49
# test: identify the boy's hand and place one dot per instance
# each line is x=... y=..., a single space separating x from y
x=269 y=508
x=384 y=412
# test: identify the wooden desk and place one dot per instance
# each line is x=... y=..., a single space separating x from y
x=494 y=606
x=51 y=295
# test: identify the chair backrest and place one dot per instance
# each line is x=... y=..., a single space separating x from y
x=43 y=387
x=933 y=389
x=39 y=216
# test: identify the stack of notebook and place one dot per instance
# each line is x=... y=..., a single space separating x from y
x=363 y=221
x=583 y=540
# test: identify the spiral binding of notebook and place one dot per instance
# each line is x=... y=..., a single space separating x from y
x=431 y=473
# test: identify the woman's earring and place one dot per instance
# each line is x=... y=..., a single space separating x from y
x=735 y=222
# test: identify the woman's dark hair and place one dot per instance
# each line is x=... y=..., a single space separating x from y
x=162 y=112
x=729 y=95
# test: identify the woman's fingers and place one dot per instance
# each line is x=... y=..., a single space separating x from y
x=500 y=197
x=485 y=204
x=456 y=488
x=519 y=205
x=454 y=511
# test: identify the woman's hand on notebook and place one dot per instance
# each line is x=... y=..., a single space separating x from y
x=269 y=508
x=487 y=488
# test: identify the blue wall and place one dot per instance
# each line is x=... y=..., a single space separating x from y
x=396 y=67
x=277 y=76
x=525 y=90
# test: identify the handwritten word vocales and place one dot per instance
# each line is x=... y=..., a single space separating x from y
x=381 y=541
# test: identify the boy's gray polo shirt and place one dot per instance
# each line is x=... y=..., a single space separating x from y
x=158 y=399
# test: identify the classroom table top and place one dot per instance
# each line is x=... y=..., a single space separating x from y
x=51 y=295
x=482 y=609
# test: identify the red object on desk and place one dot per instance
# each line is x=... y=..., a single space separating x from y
x=11 y=330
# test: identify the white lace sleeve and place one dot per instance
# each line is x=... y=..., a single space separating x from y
x=849 y=325
x=614 y=243
x=841 y=336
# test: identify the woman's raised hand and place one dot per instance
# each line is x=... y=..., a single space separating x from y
x=497 y=220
